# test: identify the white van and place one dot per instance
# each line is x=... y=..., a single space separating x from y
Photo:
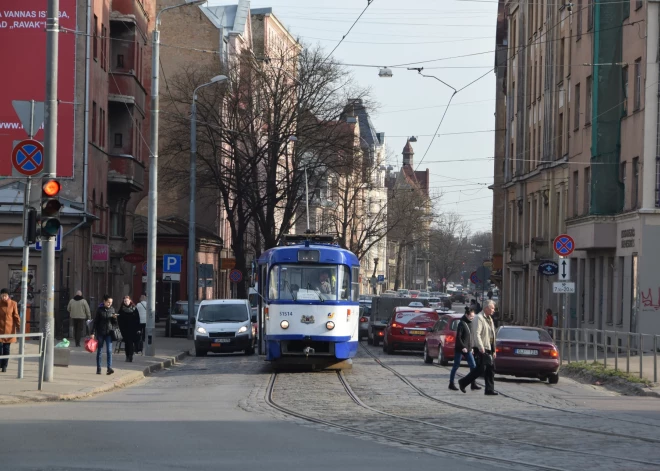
x=224 y=326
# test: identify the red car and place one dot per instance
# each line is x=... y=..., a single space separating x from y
x=440 y=342
x=413 y=293
x=527 y=352
x=407 y=328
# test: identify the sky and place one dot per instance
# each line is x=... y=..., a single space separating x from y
x=418 y=33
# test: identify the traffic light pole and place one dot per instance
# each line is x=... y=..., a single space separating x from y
x=50 y=171
x=24 y=274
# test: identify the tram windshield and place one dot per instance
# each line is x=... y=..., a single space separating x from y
x=309 y=283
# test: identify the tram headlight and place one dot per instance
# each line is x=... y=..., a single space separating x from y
x=330 y=325
x=284 y=324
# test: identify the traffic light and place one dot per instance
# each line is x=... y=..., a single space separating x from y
x=50 y=208
x=31 y=226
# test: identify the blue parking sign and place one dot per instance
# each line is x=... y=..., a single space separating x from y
x=171 y=263
x=58 y=242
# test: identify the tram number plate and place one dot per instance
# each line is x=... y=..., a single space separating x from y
x=222 y=340
x=417 y=332
x=522 y=351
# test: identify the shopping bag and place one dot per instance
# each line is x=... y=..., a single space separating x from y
x=91 y=345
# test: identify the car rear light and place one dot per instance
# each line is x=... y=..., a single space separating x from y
x=550 y=352
x=450 y=338
x=503 y=350
x=381 y=333
x=396 y=326
x=364 y=319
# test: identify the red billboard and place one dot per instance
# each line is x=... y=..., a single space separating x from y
x=23 y=56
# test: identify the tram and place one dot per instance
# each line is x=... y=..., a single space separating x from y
x=308 y=302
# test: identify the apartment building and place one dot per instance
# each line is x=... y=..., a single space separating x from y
x=580 y=157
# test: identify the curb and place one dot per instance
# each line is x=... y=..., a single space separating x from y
x=618 y=385
x=121 y=382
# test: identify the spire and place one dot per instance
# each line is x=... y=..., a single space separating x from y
x=408 y=154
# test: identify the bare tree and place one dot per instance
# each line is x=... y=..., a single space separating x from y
x=448 y=243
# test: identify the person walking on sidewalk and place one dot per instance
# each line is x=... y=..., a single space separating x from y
x=10 y=323
x=129 y=325
x=80 y=314
x=483 y=338
x=463 y=349
x=142 y=310
x=104 y=321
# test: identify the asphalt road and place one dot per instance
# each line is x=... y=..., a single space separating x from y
x=208 y=413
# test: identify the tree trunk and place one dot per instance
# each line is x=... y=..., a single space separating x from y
x=399 y=256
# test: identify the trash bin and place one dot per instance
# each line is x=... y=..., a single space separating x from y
x=62 y=354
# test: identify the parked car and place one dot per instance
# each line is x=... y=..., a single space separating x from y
x=403 y=293
x=413 y=293
x=458 y=297
x=224 y=325
x=365 y=313
x=389 y=293
x=177 y=321
x=407 y=328
x=527 y=352
x=434 y=302
x=424 y=294
x=440 y=342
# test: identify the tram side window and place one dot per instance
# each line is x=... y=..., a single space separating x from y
x=273 y=282
x=343 y=283
x=355 y=284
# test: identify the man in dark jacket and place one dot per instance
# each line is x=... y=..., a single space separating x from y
x=104 y=322
x=463 y=348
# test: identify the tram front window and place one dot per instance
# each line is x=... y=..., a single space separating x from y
x=310 y=283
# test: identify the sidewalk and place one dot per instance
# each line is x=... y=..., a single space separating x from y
x=631 y=366
x=79 y=379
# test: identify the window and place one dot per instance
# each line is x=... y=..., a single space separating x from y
x=622 y=178
x=635 y=183
x=638 y=84
x=513 y=99
x=355 y=283
x=624 y=81
x=576 y=118
x=587 y=105
x=102 y=127
x=625 y=5
x=620 y=269
x=96 y=37
x=118 y=218
x=560 y=136
x=534 y=89
x=639 y=4
x=587 y=190
x=633 y=294
x=93 y=122
x=513 y=37
x=590 y=14
x=533 y=156
x=120 y=61
x=561 y=60
x=576 y=192
x=119 y=137
x=579 y=19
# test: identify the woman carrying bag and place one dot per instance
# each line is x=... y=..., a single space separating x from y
x=129 y=325
x=103 y=330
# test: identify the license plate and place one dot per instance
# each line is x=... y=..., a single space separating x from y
x=417 y=332
x=523 y=351
x=222 y=340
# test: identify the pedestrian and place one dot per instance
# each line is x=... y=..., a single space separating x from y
x=78 y=312
x=129 y=325
x=142 y=311
x=10 y=323
x=484 y=341
x=104 y=322
x=549 y=321
x=463 y=349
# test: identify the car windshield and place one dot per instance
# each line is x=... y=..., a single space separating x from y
x=521 y=333
x=181 y=308
x=223 y=313
x=415 y=317
x=254 y=299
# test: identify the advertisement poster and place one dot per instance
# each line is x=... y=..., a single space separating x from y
x=15 y=284
x=23 y=55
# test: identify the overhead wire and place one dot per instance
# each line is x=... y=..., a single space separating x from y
x=369 y=2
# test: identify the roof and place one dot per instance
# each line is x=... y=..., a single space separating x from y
x=418 y=178
x=231 y=18
x=330 y=254
x=367 y=130
x=173 y=227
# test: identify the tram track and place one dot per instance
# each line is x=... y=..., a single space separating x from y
x=424 y=394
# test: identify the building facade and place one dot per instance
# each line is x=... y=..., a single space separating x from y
x=580 y=157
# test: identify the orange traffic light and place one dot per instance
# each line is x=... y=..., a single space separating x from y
x=51 y=187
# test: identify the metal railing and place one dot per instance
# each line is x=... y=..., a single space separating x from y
x=22 y=356
x=602 y=346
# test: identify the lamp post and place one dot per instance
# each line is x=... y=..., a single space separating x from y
x=375 y=285
x=192 y=288
x=152 y=224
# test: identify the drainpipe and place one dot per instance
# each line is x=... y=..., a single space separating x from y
x=88 y=51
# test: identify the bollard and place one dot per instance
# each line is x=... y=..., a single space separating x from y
x=616 y=350
x=627 y=352
x=640 y=352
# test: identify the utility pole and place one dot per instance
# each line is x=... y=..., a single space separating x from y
x=50 y=168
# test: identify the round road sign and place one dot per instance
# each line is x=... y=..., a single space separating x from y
x=563 y=245
x=28 y=157
x=474 y=279
x=235 y=276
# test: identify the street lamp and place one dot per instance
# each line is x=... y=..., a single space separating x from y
x=385 y=72
x=152 y=224
x=375 y=285
x=192 y=288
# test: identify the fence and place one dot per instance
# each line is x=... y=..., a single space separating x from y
x=587 y=344
x=22 y=356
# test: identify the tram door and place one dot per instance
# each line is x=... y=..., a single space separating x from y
x=262 y=286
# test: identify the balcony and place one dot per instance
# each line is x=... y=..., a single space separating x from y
x=130 y=11
x=124 y=88
x=593 y=232
x=126 y=173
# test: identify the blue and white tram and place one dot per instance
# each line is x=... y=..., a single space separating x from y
x=308 y=303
